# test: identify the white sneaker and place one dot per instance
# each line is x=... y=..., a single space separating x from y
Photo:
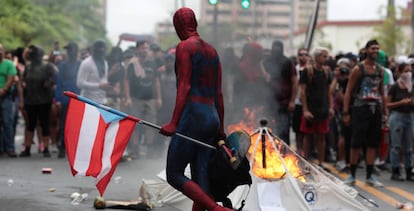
x=340 y=165
x=372 y=181
x=350 y=181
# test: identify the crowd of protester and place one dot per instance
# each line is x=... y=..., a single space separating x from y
x=340 y=107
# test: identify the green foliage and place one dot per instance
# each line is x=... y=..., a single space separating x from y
x=390 y=34
x=224 y=34
x=42 y=22
x=168 y=41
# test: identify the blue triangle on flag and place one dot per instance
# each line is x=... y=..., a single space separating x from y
x=109 y=116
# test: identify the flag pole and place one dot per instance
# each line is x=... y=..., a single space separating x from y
x=133 y=118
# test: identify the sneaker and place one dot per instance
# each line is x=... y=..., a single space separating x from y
x=372 y=181
x=340 y=165
x=25 y=153
x=397 y=177
x=46 y=153
x=11 y=154
x=61 y=154
x=350 y=181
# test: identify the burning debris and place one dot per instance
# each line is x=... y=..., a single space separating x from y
x=282 y=179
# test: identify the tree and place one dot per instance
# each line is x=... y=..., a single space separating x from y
x=412 y=26
x=42 y=22
x=224 y=33
x=390 y=34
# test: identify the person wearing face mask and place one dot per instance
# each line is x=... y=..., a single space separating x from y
x=198 y=113
x=401 y=105
x=92 y=77
x=38 y=82
x=66 y=81
x=283 y=83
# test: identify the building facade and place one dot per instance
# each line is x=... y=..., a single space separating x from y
x=265 y=18
x=350 y=36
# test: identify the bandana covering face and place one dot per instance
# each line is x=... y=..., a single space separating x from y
x=250 y=64
x=405 y=79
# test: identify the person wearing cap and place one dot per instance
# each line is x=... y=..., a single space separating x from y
x=382 y=59
x=92 y=77
x=66 y=81
x=369 y=111
x=353 y=59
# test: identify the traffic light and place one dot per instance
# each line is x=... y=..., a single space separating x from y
x=213 y=2
x=245 y=4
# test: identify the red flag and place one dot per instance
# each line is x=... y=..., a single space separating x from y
x=95 y=138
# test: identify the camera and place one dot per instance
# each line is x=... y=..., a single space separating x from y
x=344 y=70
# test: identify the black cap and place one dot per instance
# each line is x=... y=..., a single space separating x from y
x=154 y=47
x=71 y=45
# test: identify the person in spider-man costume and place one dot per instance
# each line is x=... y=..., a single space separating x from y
x=198 y=112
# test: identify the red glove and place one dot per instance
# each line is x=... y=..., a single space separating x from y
x=168 y=129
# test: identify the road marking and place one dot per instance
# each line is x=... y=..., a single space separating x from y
x=373 y=191
x=402 y=193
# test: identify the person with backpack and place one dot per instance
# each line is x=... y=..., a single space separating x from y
x=317 y=103
x=366 y=89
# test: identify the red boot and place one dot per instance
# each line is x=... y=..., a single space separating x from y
x=200 y=198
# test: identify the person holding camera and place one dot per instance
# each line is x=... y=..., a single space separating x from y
x=338 y=88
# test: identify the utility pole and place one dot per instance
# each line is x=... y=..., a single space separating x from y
x=391 y=15
x=292 y=26
x=215 y=25
x=412 y=27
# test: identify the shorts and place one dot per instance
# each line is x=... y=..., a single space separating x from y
x=144 y=109
x=366 y=127
x=314 y=126
x=296 y=118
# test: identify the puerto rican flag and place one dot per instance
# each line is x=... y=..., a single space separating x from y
x=95 y=138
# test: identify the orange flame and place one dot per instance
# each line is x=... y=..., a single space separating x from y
x=274 y=169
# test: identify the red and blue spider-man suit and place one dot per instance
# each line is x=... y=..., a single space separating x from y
x=198 y=112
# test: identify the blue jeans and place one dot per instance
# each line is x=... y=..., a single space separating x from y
x=401 y=138
x=8 y=110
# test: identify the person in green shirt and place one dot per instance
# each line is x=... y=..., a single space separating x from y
x=7 y=75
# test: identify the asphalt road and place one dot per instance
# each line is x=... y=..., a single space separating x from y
x=32 y=190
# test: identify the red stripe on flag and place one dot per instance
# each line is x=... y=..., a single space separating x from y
x=95 y=166
x=126 y=127
x=74 y=118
